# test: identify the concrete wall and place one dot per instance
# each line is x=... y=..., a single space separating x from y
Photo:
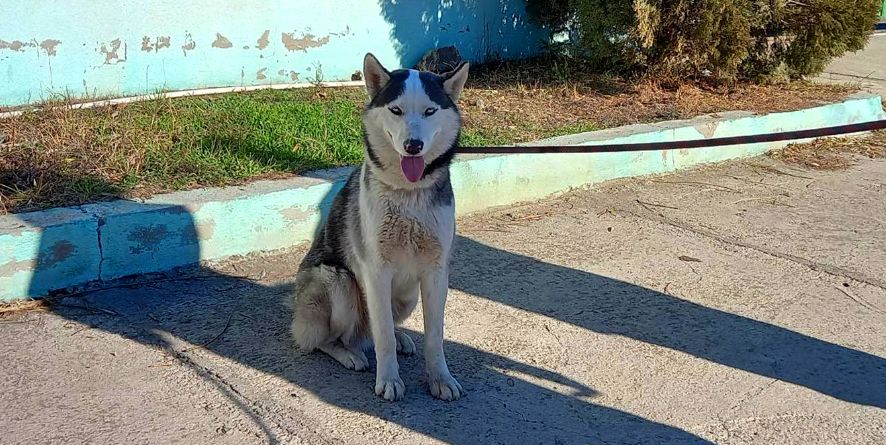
x=90 y=48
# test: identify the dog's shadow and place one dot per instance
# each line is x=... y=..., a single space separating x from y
x=247 y=323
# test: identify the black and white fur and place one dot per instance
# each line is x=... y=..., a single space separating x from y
x=388 y=238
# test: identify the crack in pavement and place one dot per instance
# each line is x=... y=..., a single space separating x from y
x=270 y=423
x=752 y=394
x=829 y=269
x=259 y=412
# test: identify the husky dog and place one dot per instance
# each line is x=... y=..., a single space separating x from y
x=389 y=234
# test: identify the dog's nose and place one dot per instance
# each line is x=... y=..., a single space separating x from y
x=413 y=146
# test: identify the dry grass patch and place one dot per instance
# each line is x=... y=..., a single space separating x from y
x=833 y=153
x=529 y=100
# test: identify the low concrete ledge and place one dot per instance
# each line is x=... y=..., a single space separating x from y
x=56 y=249
x=45 y=251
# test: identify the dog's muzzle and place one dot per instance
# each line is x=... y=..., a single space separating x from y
x=413 y=146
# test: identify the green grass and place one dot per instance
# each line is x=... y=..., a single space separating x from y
x=235 y=137
x=62 y=156
x=240 y=136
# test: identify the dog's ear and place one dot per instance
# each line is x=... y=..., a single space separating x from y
x=375 y=75
x=454 y=81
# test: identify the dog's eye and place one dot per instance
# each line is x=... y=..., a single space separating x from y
x=396 y=110
x=430 y=111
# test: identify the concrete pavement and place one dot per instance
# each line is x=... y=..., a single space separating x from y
x=742 y=303
x=865 y=68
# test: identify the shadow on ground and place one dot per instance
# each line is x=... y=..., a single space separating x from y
x=195 y=306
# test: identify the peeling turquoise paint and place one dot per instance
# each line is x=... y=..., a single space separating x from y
x=45 y=251
x=116 y=239
x=100 y=48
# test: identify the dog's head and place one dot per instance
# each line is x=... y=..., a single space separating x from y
x=411 y=122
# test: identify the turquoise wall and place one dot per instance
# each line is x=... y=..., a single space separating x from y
x=99 y=48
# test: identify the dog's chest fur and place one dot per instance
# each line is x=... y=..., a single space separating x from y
x=408 y=227
x=402 y=236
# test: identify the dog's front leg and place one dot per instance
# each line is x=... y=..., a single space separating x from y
x=434 y=287
x=381 y=321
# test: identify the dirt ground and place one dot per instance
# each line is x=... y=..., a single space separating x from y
x=742 y=303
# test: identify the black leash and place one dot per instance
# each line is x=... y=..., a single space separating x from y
x=672 y=145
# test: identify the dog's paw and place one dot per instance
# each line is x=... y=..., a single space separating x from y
x=444 y=387
x=351 y=358
x=405 y=345
x=354 y=360
x=391 y=388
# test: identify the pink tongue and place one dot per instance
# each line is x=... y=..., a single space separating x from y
x=413 y=167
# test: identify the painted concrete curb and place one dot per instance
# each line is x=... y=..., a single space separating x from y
x=56 y=249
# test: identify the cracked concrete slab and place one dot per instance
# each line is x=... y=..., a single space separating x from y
x=740 y=304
